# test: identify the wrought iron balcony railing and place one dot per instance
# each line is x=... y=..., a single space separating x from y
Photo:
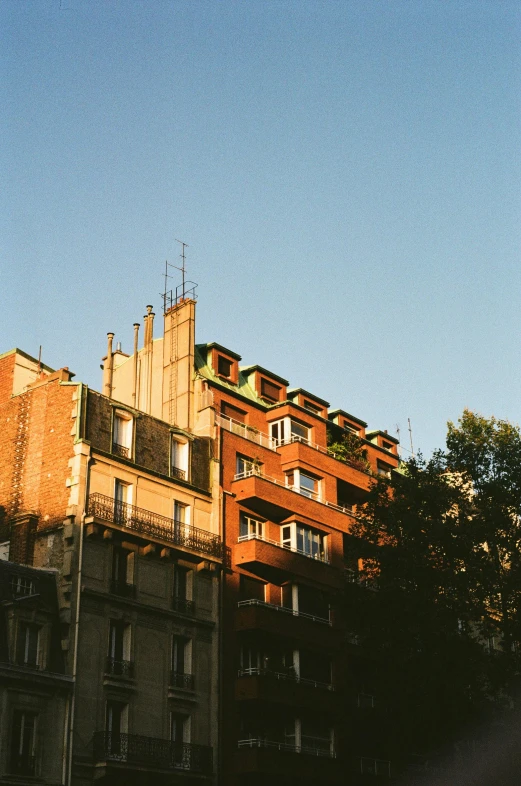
x=119 y=668
x=183 y=605
x=180 y=680
x=120 y=450
x=177 y=472
x=154 y=525
x=152 y=751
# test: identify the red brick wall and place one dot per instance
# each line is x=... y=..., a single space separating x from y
x=6 y=377
x=35 y=447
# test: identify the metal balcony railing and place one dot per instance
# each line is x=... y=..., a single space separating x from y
x=289 y=674
x=247 y=432
x=180 y=680
x=284 y=610
x=378 y=767
x=152 y=751
x=120 y=450
x=183 y=605
x=177 y=472
x=319 y=556
x=119 y=668
x=261 y=742
x=297 y=489
x=154 y=525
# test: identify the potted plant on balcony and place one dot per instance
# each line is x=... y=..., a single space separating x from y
x=351 y=450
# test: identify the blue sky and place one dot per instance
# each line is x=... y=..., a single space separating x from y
x=346 y=175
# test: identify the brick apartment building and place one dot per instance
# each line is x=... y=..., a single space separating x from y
x=117 y=505
x=185 y=669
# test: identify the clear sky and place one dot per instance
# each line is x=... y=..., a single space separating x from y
x=346 y=175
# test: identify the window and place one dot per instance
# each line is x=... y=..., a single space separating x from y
x=123 y=572
x=122 y=434
x=252 y=589
x=181 y=512
x=312 y=407
x=299 y=432
x=303 y=483
x=182 y=590
x=277 y=432
x=181 y=676
x=122 y=499
x=270 y=391
x=314 y=666
x=27 y=644
x=387 y=445
x=116 y=728
x=307 y=541
x=21 y=585
x=383 y=469
x=118 y=660
x=250 y=528
x=23 y=743
x=229 y=411
x=312 y=602
x=179 y=451
x=180 y=734
x=224 y=366
x=248 y=466
x=316 y=736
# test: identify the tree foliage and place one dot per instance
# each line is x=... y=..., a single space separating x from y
x=444 y=538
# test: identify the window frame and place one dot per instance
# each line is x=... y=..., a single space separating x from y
x=124 y=448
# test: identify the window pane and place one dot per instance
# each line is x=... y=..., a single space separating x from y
x=307 y=483
x=299 y=431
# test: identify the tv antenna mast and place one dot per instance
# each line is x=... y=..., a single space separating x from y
x=181 y=291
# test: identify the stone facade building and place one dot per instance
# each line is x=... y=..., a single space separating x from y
x=197 y=520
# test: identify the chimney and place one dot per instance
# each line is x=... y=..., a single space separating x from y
x=134 y=372
x=107 y=367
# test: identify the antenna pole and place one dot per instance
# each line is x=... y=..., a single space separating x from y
x=183 y=257
x=410 y=435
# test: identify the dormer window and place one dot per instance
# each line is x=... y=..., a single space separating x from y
x=224 y=366
x=179 y=451
x=270 y=391
x=312 y=407
x=122 y=434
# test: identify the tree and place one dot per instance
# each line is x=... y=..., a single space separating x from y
x=444 y=538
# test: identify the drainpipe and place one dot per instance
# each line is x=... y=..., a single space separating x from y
x=134 y=385
x=222 y=595
x=77 y=619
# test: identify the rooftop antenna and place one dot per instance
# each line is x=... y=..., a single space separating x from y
x=410 y=435
x=181 y=291
x=40 y=361
x=183 y=257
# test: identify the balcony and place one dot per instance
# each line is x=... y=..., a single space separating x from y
x=119 y=668
x=280 y=621
x=180 y=680
x=152 y=525
x=177 y=472
x=132 y=750
x=270 y=758
x=246 y=432
x=120 y=450
x=284 y=687
x=274 y=562
x=381 y=768
x=274 y=500
x=183 y=605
